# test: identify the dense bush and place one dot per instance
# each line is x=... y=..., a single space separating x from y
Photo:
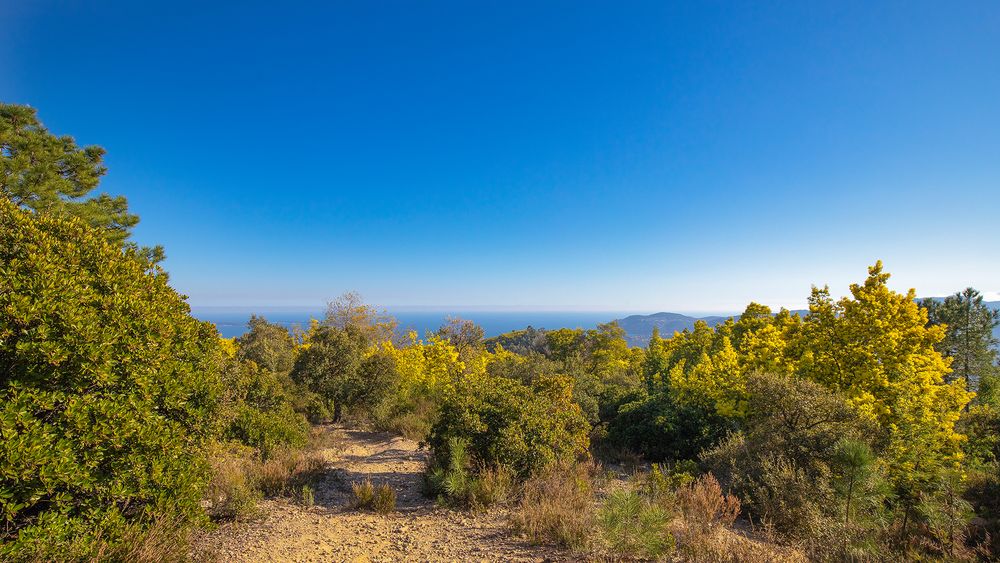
x=660 y=428
x=268 y=345
x=790 y=461
x=339 y=367
x=510 y=425
x=108 y=389
x=257 y=411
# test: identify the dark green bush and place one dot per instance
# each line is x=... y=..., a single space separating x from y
x=108 y=390
x=337 y=370
x=509 y=425
x=659 y=428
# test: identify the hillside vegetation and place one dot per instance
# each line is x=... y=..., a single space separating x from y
x=864 y=429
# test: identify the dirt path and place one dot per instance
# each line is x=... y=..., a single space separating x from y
x=328 y=531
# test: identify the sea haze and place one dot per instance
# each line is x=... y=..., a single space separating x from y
x=232 y=321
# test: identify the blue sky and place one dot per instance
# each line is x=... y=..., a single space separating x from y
x=537 y=155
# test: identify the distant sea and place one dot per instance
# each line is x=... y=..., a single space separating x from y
x=232 y=321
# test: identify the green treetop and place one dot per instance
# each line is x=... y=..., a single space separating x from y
x=51 y=174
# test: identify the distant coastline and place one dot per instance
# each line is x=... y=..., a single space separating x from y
x=232 y=321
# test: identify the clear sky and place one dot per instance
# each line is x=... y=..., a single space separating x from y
x=561 y=155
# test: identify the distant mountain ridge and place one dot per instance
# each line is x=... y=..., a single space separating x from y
x=639 y=328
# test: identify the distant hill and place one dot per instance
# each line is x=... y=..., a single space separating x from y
x=639 y=328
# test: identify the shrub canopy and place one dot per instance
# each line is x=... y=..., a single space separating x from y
x=511 y=425
x=108 y=388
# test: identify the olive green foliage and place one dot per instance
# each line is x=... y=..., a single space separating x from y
x=524 y=342
x=804 y=452
x=508 y=424
x=465 y=335
x=268 y=345
x=603 y=367
x=339 y=363
x=257 y=410
x=457 y=481
x=109 y=388
x=981 y=423
x=945 y=515
x=48 y=173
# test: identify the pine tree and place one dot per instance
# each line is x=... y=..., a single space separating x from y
x=51 y=174
x=968 y=337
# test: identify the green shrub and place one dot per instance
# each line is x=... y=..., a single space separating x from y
x=268 y=345
x=257 y=410
x=786 y=466
x=109 y=390
x=660 y=428
x=337 y=369
x=506 y=424
x=307 y=498
x=458 y=483
x=634 y=526
x=659 y=485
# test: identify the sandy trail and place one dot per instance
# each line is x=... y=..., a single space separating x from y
x=328 y=531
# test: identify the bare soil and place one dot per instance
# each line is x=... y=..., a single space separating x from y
x=329 y=531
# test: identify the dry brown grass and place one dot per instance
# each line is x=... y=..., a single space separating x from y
x=491 y=486
x=705 y=505
x=367 y=496
x=166 y=539
x=705 y=532
x=232 y=493
x=288 y=470
x=239 y=479
x=558 y=506
x=725 y=545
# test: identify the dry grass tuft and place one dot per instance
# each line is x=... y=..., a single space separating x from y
x=558 y=506
x=288 y=470
x=167 y=539
x=384 y=500
x=368 y=496
x=491 y=486
x=363 y=494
